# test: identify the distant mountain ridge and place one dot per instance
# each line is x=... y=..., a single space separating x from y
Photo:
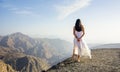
x=51 y=51
x=27 y=44
x=111 y=45
x=17 y=40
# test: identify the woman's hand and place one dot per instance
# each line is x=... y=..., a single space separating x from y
x=78 y=40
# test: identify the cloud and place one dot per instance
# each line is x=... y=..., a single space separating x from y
x=19 y=11
x=65 y=11
x=12 y=8
x=23 y=12
x=6 y=5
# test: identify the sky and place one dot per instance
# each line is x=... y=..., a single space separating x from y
x=56 y=18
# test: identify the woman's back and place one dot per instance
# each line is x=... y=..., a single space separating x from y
x=78 y=34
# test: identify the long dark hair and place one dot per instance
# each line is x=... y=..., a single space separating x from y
x=78 y=25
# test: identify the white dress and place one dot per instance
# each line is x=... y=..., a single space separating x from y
x=81 y=47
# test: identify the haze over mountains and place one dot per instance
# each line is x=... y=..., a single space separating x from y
x=37 y=54
x=111 y=45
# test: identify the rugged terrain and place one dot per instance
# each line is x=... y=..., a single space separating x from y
x=5 y=67
x=25 y=54
x=13 y=60
x=103 y=60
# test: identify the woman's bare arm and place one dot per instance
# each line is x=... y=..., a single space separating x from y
x=74 y=32
x=83 y=31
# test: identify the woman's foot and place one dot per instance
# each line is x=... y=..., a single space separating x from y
x=78 y=60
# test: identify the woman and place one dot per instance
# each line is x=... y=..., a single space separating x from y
x=80 y=47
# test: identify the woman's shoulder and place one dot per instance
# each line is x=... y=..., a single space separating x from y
x=82 y=25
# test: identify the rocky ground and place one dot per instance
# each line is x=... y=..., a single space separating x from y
x=103 y=60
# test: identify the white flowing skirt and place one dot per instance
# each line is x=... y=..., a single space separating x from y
x=81 y=48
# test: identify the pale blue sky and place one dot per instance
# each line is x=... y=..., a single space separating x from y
x=38 y=18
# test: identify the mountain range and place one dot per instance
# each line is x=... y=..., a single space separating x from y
x=24 y=53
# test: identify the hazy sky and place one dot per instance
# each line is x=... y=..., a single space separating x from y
x=56 y=18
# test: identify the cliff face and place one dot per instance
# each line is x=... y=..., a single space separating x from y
x=28 y=64
x=24 y=64
x=5 y=67
x=13 y=60
x=103 y=60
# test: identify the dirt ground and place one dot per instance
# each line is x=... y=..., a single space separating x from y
x=103 y=60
